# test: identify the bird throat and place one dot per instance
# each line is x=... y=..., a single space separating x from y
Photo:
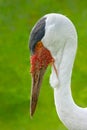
x=41 y=58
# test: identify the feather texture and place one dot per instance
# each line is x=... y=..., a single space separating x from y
x=61 y=39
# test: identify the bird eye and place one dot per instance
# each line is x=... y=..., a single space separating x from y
x=38 y=45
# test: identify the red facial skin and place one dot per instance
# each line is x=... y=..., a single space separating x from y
x=39 y=63
x=41 y=58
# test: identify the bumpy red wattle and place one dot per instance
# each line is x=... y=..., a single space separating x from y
x=41 y=58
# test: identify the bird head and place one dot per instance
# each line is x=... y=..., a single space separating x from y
x=40 y=58
x=39 y=63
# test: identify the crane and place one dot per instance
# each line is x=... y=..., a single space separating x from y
x=53 y=40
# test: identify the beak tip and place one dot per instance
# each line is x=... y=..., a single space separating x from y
x=32 y=107
x=37 y=80
x=31 y=114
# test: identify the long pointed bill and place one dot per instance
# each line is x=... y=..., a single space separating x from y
x=39 y=62
x=36 y=84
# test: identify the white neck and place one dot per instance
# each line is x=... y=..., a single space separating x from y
x=70 y=114
x=61 y=39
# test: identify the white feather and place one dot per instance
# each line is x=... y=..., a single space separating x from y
x=61 y=39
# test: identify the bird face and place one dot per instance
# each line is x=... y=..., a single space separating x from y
x=40 y=60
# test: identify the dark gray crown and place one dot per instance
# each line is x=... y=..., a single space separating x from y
x=37 y=33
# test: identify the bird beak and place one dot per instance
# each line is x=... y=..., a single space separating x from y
x=39 y=63
x=37 y=77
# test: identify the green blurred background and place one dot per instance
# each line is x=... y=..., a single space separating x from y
x=17 y=18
